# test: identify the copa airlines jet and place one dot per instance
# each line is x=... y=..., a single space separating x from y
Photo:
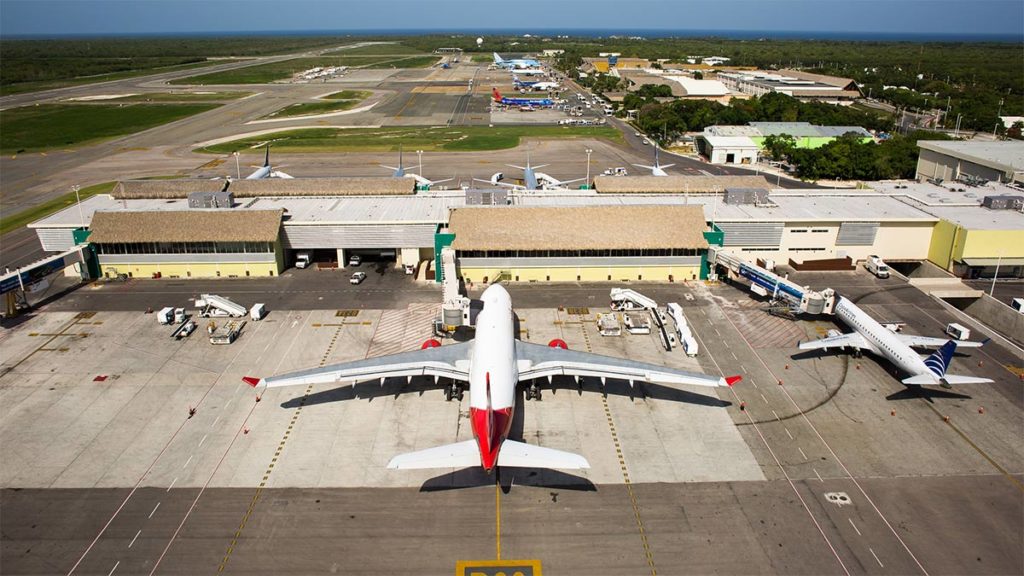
x=492 y=364
x=540 y=86
x=532 y=179
x=266 y=171
x=872 y=336
x=399 y=172
x=658 y=169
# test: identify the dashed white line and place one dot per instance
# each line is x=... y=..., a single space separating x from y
x=788 y=434
x=215 y=421
x=187 y=461
x=876 y=557
x=228 y=403
x=776 y=415
x=172 y=483
x=743 y=368
x=203 y=440
x=116 y=564
x=726 y=342
x=154 y=509
x=802 y=452
x=134 y=539
x=816 y=474
x=754 y=383
x=734 y=356
x=854 y=526
x=763 y=398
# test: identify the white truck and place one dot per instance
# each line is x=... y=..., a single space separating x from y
x=876 y=266
x=165 y=315
x=303 y=259
x=683 y=329
x=257 y=312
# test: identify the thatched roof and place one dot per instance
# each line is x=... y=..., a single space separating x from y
x=675 y=184
x=373 y=186
x=217 y=225
x=582 y=228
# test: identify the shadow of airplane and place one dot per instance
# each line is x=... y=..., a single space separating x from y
x=911 y=392
x=506 y=478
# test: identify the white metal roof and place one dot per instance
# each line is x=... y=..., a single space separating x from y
x=1007 y=156
x=696 y=87
x=729 y=141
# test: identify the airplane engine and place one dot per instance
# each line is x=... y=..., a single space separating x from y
x=558 y=343
x=432 y=343
x=833 y=333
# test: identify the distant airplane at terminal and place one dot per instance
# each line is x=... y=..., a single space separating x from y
x=658 y=169
x=534 y=102
x=872 y=336
x=532 y=180
x=529 y=72
x=266 y=171
x=515 y=64
x=492 y=365
x=535 y=85
x=399 y=172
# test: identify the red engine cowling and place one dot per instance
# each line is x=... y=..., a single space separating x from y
x=432 y=343
x=558 y=343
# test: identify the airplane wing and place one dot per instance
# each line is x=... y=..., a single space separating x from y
x=536 y=361
x=927 y=342
x=849 y=340
x=444 y=361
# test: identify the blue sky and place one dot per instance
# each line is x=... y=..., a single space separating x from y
x=913 y=17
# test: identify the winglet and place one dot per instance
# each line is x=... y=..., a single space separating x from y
x=730 y=380
x=251 y=381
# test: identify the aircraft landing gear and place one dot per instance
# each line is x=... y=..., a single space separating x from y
x=451 y=391
x=533 y=392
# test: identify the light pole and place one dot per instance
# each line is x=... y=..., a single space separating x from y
x=999 y=119
x=419 y=154
x=999 y=261
x=78 y=200
x=589 y=152
x=956 y=131
x=238 y=169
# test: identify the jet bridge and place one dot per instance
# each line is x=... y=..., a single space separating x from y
x=14 y=284
x=213 y=305
x=455 y=308
x=766 y=283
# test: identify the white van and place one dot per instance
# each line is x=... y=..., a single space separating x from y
x=958 y=331
x=876 y=266
x=257 y=312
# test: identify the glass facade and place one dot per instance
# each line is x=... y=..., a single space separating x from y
x=186 y=248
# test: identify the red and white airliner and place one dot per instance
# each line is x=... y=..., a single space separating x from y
x=493 y=364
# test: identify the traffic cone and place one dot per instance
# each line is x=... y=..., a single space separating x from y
x=743 y=406
x=981 y=410
x=892 y=412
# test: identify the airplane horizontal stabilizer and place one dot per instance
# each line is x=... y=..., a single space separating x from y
x=519 y=455
x=953 y=379
x=459 y=455
x=947 y=380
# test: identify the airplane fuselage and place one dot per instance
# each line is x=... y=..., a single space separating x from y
x=493 y=375
x=882 y=340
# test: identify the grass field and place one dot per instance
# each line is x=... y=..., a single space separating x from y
x=349 y=95
x=380 y=50
x=38 y=128
x=10 y=223
x=312 y=108
x=182 y=97
x=461 y=139
x=266 y=73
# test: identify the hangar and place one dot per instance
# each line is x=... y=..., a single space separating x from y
x=971 y=162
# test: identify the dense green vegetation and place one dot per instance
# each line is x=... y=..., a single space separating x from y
x=38 y=128
x=42 y=64
x=847 y=158
x=35 y=86
x=15 y=221
x=388 y=49
x=674 y=118
x=274 y=71
x=460 y=139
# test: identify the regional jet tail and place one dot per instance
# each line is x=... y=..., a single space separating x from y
x=658 y=169
x=492 y=365
x=266 y=171
x=872 y=336
x=399 y=172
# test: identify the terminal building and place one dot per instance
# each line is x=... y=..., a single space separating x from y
x=805 y=86
x=628 y=228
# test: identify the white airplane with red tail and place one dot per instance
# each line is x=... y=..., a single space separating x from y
x=492 y=364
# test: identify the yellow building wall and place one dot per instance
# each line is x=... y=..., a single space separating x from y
x=940 y=250
x=191 y=270
x=903 y=241
x=583 y=274
x=992 y=244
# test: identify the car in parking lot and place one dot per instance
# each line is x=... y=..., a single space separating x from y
x=354 y=260
x=357 y=278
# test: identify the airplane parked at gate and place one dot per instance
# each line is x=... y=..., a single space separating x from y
x=492 y=365
x=266 y=171
x=532 y=180
x=515 y=64
x=658 y=169
x=534 y=102
x=872 y=336
x=399 y=172
x=535 y=85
